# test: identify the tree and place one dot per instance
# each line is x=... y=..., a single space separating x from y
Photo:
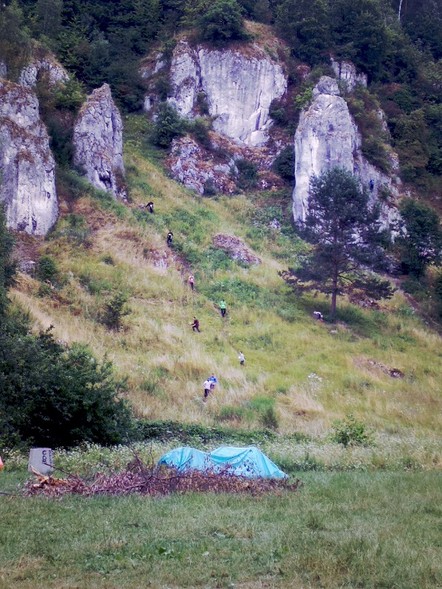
x=14 y=38
x=343 y=229
x=422 y=243
x=56 y=396
x=304 y=24
x=359 y=33
x=7 y=266
x=168 y=125
x=222 y=22
x=48 y=14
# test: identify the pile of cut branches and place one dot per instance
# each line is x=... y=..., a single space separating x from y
x=141 y=479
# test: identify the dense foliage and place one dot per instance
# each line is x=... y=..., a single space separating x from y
x=55 y=396
x=421 y=245
x=222 y=22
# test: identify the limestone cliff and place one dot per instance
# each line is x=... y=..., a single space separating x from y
x=327 y=137
x=346 y=73
x=43 y=64
x=236 y=85
x=27 y=185
x=98 y=142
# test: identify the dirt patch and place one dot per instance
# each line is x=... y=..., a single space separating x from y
x=371 y=365
x=235 y=248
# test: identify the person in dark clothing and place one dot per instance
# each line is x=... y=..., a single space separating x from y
x=371 y=185
x=169 y=238
x=195 y=325
x=150 y=206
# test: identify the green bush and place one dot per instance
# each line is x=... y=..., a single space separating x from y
x=56 y=396
x=168 y=125
x=247 y=176
x=114 y=311
x=422 y=243
x=284 y=163
x=7 y=266
x=278 y=113
x=349 y=431
x=269 y=419
x=304 y=98
x=200 y=130
x=195 y=433
x=47 y=270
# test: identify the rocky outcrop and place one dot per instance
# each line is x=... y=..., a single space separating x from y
x=27 y=168
x=236 y=86
x=235 y=249
x=327 y=137
x=98 y=142
x=43 y=65
x=198 y=170
x=213 y=169
x=346 y=73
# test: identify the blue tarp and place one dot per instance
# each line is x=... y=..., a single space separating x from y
x=247 y=462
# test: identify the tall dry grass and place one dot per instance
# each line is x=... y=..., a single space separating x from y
x=312 y=372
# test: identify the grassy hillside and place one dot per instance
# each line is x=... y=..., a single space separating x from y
x=300 y=375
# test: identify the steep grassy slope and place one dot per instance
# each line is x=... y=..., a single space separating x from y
x=299 y=375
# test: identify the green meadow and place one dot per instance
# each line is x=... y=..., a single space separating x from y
x=341 y=529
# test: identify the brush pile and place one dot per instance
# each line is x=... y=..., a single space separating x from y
x=142 y=479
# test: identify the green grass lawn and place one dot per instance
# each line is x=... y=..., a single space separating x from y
x=372 y=530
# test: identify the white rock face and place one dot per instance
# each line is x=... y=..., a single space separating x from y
x=328 y=137
x=56 y=74
x=27 y=168
x=98 y=142
x=238 y=88
x=345 y=72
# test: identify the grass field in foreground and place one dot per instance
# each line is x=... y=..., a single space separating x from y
x=346 y=530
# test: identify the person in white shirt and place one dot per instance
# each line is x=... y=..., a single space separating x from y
x=206 y=385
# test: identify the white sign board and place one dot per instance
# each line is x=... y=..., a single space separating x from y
x=41 y=460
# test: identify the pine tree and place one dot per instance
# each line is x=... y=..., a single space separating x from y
x=344 y=231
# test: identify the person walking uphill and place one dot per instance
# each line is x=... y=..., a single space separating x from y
x=223 y=308
x=241 y=358
x=169 y=238
x=191 y=281
x=195 y=325
x=206 y=389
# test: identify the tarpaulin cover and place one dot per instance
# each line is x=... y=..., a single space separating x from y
x=247 y=462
